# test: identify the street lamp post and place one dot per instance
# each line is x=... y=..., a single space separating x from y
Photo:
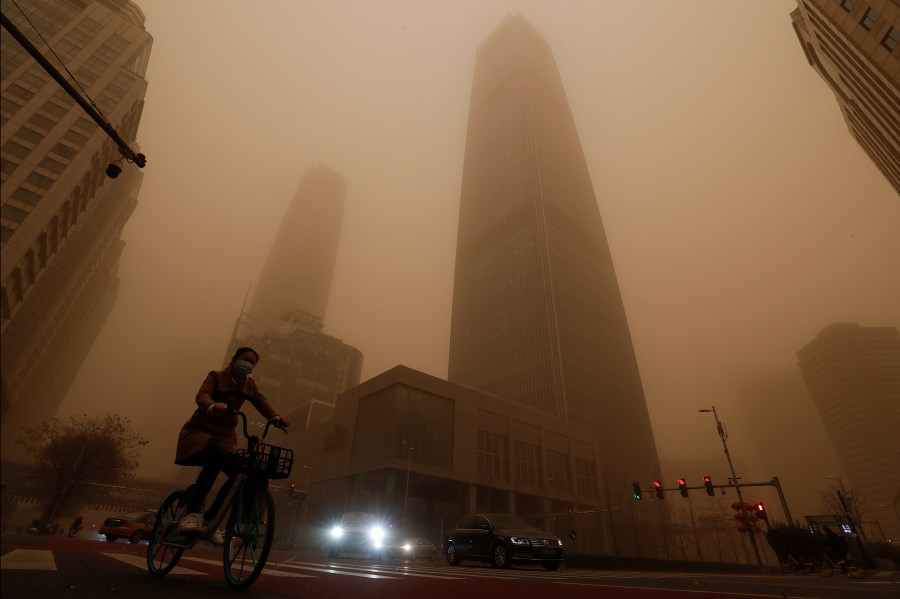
x=305 y=499
x=406 y=494
x=720 y=428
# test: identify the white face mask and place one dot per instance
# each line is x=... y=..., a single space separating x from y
x=242 y=367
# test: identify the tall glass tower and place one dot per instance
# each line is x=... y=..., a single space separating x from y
x=298 y=272
x=537 y=314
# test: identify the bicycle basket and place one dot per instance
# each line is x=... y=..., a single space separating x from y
x=272 y=461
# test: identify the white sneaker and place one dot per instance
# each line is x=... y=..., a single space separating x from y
x=190 y=523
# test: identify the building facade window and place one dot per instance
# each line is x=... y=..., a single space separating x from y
x=17 y=91
x=7 y=166
x=26 y=196
x=585 y=478
x=868 y=20
x=13 y=214
x=891 y=39
x=847 y=5
x=559 y=472
x=492 y=455
x=528 y=463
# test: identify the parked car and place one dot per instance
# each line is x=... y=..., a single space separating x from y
x=134 y=526
x=357 y=532
x=414 y=548
x=503 y=539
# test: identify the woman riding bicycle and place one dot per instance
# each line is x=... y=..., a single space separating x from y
x=209 y=440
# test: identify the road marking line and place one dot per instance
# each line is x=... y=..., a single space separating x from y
x=28 y=559
x=331 y=570
x=266 y=570
x=141 y=562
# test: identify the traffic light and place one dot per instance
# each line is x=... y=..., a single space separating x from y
x=707 y=482
x=761 y=512
x=637 y=491
x=657 y=486
x=293 y=490
x=682 y=486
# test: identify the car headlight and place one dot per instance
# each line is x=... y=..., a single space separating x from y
x=377 y=533
x=519 y=541
x=407 y=547
x=559 y=542
x=337 y=532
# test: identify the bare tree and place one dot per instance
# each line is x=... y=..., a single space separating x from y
x=81 y=450
x=844 y=502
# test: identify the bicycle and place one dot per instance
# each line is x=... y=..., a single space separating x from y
x=792 y=565
x=251 y=515
x=847 y=567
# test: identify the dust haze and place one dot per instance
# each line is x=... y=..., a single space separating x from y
x=742 y=216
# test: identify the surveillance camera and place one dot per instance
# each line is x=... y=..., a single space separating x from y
x=114 y=169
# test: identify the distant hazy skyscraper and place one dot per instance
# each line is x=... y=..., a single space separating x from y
x=62 y=218
x=537 y=313
x=298 y=272
x=301 y=367
x=782 y=421
x=855 y=46
x=853 y=375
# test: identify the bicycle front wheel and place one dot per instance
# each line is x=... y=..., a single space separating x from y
x=162 y=557
x=826 y=568
x=855 y=569
x=248 y=536
x=789 y=566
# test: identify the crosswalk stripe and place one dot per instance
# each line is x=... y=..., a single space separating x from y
x=269 y=571
x=28 y=559
x=141 y=562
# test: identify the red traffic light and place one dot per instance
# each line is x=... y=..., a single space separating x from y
x=657 y=486
x=682 y=486
x=761 y=511
x=707 y=482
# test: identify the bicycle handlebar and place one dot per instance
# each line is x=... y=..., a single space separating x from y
x=276 y=422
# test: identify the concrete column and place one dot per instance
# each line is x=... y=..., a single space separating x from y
x=472 y=499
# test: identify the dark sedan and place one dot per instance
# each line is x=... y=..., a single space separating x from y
x=502 y=540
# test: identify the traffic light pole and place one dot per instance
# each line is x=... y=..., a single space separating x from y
x=737 y=487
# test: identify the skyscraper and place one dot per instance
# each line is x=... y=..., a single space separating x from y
x=62 y=218
x=853 y=375
x=855 y=46
x=537 y=313
x=298 y=272
x=779 y=411
x=301 y=367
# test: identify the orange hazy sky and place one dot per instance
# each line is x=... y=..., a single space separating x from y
x=742 y=216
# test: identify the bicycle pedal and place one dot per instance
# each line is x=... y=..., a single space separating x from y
x=179 y=539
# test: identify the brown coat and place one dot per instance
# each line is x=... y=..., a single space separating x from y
x=219 y=387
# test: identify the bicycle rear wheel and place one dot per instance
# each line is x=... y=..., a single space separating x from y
x=855 y=569
x=789 y=565
x=826 y=568
x=162 y=557
x=248 y=536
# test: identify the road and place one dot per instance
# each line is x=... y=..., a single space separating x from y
x=51 y=568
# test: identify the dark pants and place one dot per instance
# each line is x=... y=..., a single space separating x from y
x=214 y=458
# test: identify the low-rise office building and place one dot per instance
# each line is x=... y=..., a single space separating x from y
x=422 y=452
